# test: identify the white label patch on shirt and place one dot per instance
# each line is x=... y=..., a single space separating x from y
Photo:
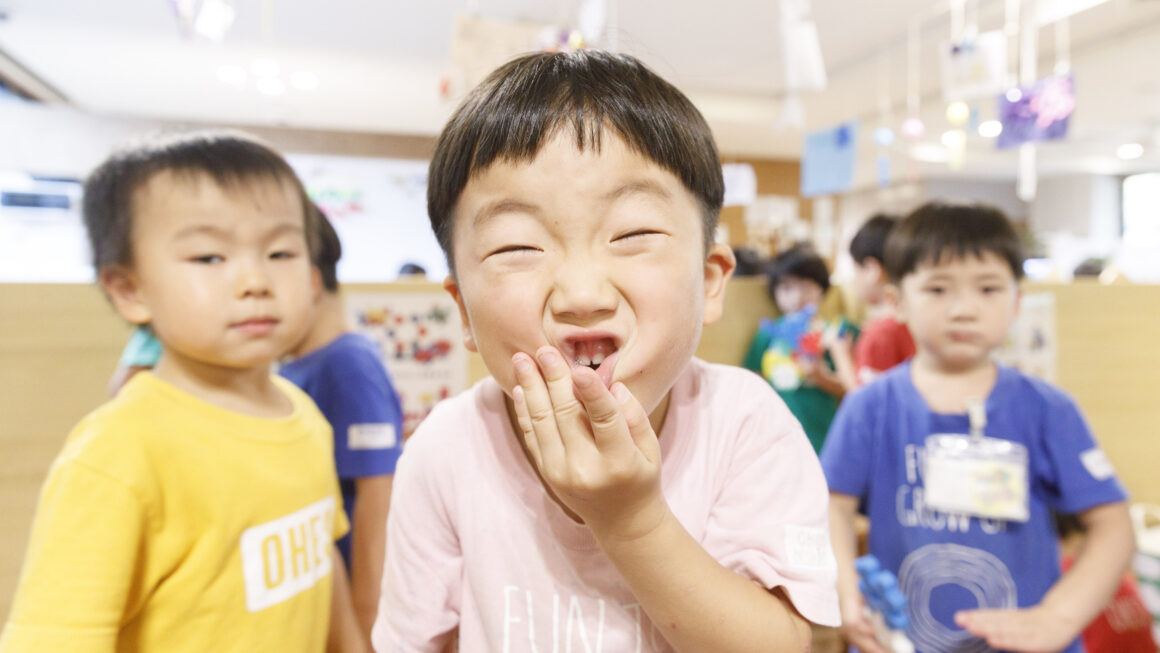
x=371 y=436
x=808 y=548
x=288 y=555
x=1097 y=464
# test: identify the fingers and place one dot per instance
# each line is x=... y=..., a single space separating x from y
x=561 y=403
x=534 y=414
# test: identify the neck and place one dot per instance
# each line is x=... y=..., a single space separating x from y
x=879 y=310
x=946 y=389
x=329 y=324
x=249 y=391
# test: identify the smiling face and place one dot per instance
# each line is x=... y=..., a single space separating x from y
x=959 y=309
x=599 y=254
x=222 y=275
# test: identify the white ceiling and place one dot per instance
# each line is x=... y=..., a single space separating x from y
x=379 y=66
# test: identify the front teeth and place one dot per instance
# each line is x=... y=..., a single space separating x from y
x=583 y=360
x=598 y=358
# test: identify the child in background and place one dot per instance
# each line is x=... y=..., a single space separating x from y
x=575 y=195
x=1124 y=625
x=790 y=351
x=139 y=355
x=981 y=572
x=196 y=511
x=343 y=373
x=884 y=341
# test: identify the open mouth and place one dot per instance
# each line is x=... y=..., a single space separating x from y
x=597 y=353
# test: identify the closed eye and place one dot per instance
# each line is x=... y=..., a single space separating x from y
x=283 y=254
x=207 y=259
x=514 y=249
x=637 y=234
x=935 y=290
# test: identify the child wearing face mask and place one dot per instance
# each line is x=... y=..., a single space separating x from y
x=603 y=489
x=790 y=351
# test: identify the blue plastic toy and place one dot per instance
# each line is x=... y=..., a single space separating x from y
x=885 y=604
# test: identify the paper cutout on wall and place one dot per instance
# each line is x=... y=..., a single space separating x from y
x=419 y=336
x=1038 y=112
x=828 y=160
x=974 y=67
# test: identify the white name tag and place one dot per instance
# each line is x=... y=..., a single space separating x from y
x=287 y=556
x=371 y=436
x=985 y=477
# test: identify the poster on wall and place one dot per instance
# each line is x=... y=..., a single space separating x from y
x=1030 y=345
x=1037 y=112
x=828 y=160
x=421 y=342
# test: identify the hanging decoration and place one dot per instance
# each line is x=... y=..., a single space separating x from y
x=1038 y=112
x=802 y=53
x=208 y=19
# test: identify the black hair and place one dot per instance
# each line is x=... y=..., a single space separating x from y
x=409 y=268
x=936 y=230
x=870 y=239
x=328 y=252
x=798 y=261
x=231 y=159
x=525 y=102
x=749 y=262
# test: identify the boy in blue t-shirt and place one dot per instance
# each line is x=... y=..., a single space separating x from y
x=965 y=521
x=343 y=373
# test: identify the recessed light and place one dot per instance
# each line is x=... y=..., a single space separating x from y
x=954 y=138
x=271 y=86
x=990 y=128
x=1130 y=151
x=929 y=153
x=265 y=67
x=1014 y=95
x=303 y=80
x=232 y=74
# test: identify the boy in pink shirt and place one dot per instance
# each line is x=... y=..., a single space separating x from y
x=603 y=490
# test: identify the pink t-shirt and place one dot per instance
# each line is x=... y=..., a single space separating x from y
x=474 y=540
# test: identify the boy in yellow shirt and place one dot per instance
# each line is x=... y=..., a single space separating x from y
x=197 y=510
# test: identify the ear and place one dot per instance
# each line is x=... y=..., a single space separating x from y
x=452 y=288
x=316 y=288
x=719 y=268
x=123 y=290
x=1018 y=302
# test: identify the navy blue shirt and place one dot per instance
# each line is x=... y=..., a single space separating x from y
x=947 y=562
x=348 y=381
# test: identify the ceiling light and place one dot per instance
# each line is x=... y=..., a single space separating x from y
x=271 y=86
x=990 y=128
x=1014 y=95
x=214 y=19
x=231 y=74
x=1130 y=151
x=884 y=136
x=954 y=138
x=303 y=80
x=265 y=67
x=929 y=153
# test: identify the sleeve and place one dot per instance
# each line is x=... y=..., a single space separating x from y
x=1074 y=472
x=81 y=562
x=770 y=519
x=847 y=453
x=364 y=410
x=142 y=350
x=420 y=600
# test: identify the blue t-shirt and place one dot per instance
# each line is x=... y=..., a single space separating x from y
x=348 y=381
x=950 y=562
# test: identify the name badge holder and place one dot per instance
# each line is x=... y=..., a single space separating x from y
x=976 y=475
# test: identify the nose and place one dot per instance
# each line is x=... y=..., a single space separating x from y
x=252 y=278
x=963 y=305
x=582 y=291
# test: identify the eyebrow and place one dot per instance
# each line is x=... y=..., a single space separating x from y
x=218 y=232
x=643 y=186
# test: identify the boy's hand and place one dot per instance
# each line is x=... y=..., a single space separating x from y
x=1033 y=630
x=857 y=628
x=593 y=446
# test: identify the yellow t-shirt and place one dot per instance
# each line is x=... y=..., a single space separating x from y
x=169 y=524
